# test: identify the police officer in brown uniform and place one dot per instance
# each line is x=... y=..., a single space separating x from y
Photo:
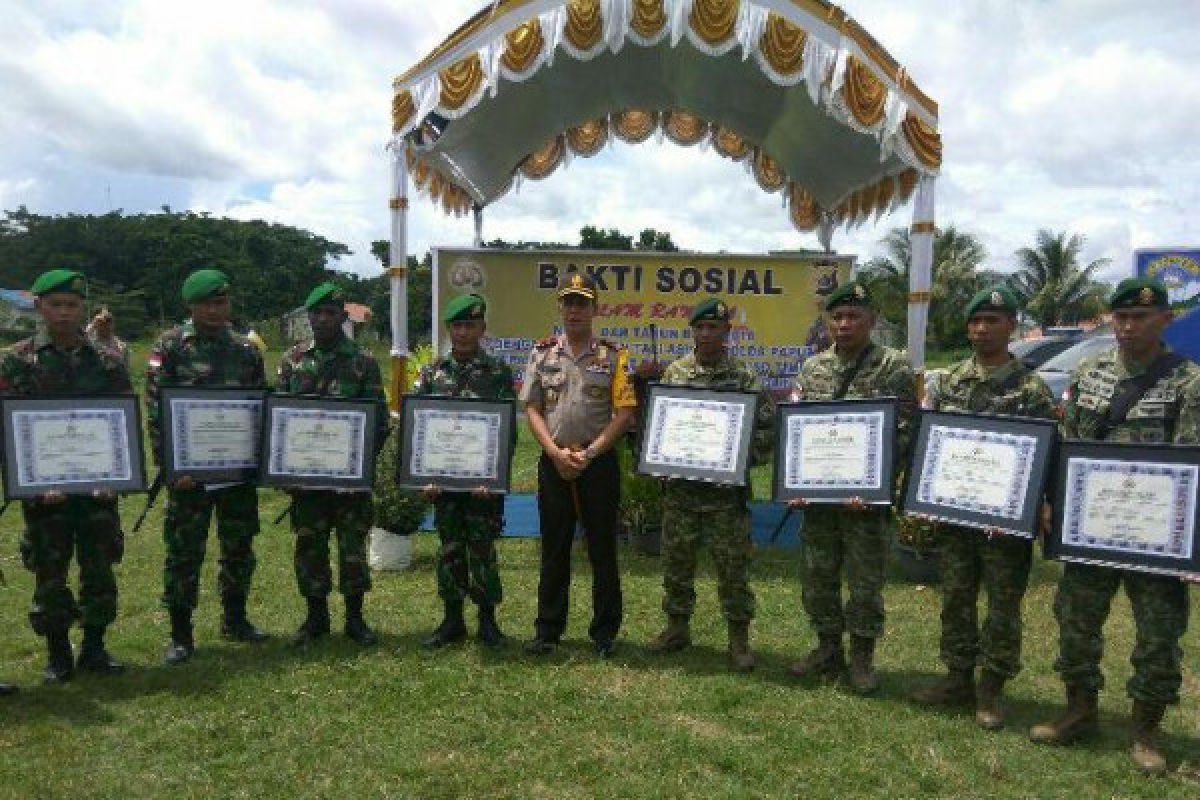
x=579 y=400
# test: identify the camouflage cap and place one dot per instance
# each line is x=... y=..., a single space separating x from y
x=995 y=298
x=849 y=294
x=59 y=280
x=328 y=293
x=711 y=308
x=1138 y=293
x=203 y=284
x=578 y=283
x=464 y=308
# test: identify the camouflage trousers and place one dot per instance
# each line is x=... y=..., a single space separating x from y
x=1160 y=613
x=185 y=534
x=466 y=567
x=727 y=530
x=858 y=541
x=970 y=559
x=315 y=515
x=88 y=529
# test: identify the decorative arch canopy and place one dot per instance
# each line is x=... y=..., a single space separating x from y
x=795 y=89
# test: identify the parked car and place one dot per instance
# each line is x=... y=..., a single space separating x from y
x=1057 y=371
x=1035 y=352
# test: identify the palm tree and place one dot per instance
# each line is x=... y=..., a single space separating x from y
x=1050 y=280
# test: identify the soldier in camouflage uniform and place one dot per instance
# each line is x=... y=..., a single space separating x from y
x=62 y=361
x=1168 y=411
x=331 y=365
x=854 y=535
x=693 y=511
x=467 y=524
x=205 y=351
x=991 y=382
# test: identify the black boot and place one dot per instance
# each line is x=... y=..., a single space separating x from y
x=182 y=645
x=92 y=655
x=60 y=663
x=316 y=624
x=489 y=632
x=234 y=624
x=453 y=627
x=356 y=627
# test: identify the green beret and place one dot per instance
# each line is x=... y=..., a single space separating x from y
x=712 y=308
x=59 y=280
x=464 y=308
x=328 y=292
x=1138 y=293
x=849 y=294
x=203 y=284
x=996 y=298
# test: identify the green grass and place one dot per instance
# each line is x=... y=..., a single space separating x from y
x=335 y=721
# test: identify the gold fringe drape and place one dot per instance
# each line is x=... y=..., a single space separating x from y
x=684 y=128
x=634 y=126
x=461 y=81
x=589 y=138
x=730 y=144
x=543 y=161
x=803 y=209
x=925 y=141
x=522 y=46
x=768 y=173
x=715 y=21
x=649 y=17
x=403 y=110
x=782 y=45
x=865 y=95
x=585 y=24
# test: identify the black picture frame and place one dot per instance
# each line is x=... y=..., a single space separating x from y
x=215 y=471
x=1035 y=451
x=1076 y=545
x=876 y=489
x=651 y=460
x=20 y=485
x=358 y=417
x=502 y=414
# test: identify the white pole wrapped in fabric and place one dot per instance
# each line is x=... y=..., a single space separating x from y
x=478 y=226
x=398 y=272
x=920 y=275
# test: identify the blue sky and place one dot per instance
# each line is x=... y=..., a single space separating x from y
x=1067 y=114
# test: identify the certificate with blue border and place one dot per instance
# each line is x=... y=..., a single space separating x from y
x=1129 y=506
x=832 y=451
x=698 y=434
x=456 y=444
x=984 y=471
x=319 y=443
x=72 y=445
x=212 y=435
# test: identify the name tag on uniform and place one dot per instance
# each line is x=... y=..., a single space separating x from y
x=1091 y=385
x=1160 y=395
x=1090 y=401
x=598 y=368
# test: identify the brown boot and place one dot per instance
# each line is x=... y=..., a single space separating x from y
x=827 y=659
x=740 y=657
x=956 y=689
x=862 y=665
x=675 y=637
x=1080 y=720
x=1146 y=751
x=989 y=714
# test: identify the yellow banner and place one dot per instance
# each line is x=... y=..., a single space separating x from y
x=646 y=299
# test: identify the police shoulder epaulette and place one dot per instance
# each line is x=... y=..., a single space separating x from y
x=549 y=341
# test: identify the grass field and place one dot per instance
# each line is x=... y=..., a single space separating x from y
x=336 y=721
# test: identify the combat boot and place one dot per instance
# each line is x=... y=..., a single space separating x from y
x=316 y=624
x=827 y=659
x=453 y=628
x=862 y=665
x=1081 y=719
x=182 y=645
x=989 y=713
x=92 y=655
x=356 y=628
x=675 y=637
x=235 y=626
x=1146 y=751
x=740 y=657
x=60 y=662
x=957 y=688
x=489 y=631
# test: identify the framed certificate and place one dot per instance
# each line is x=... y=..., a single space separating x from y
x=1130 y=506
x=831 y=451
x=698 y=434
x=318 y=443
x=72 y=445
x=457 y=444
x=981 y=470
x=212 y=435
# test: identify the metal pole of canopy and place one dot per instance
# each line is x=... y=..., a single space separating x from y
x=478 y=225
x=920 y=276
x=398 y=272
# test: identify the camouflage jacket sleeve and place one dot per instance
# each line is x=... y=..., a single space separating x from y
x=373 y=388
x=764 y=422
x=159 y=374
x=1070 y=426
x=901 y=383
x=12 y=372
x=1187 y=427
x=1036 y=399
x=283 y=383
